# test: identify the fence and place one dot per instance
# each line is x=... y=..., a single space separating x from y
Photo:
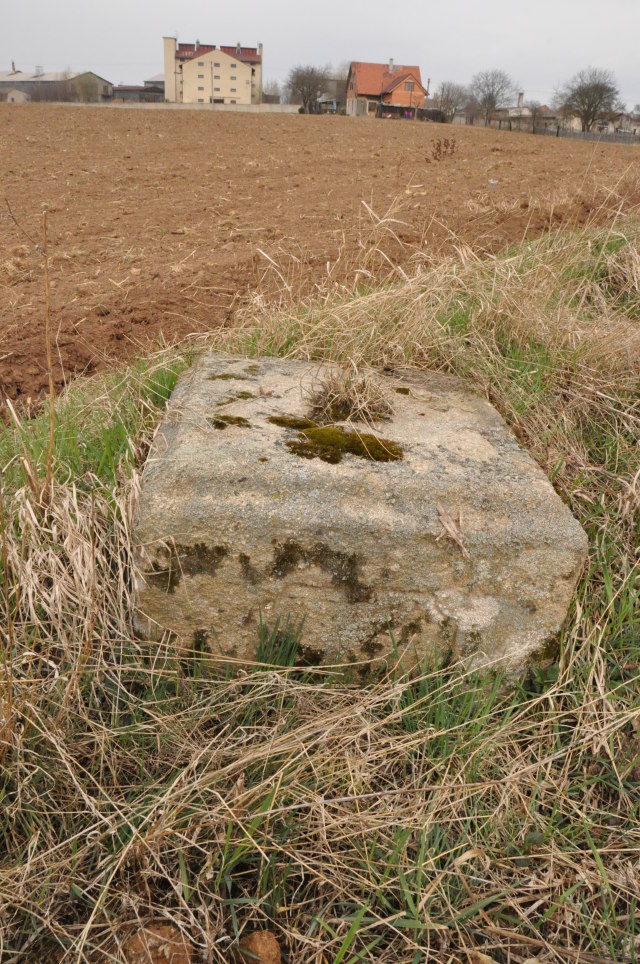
x=590 y=135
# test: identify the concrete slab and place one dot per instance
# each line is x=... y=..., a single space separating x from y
x=450 y=537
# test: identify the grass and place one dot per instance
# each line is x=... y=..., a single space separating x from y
x=440 y=816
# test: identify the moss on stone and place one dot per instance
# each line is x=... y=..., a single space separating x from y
x=223 y=421
x=308 y=656
x=193 y=560
x=236 y=397
x=292 y=421
x=344 y=568
x=330 y=443
x=409 y=630
x=403 y=391
x=249 y=571
x=549 y=651
x=226 y=377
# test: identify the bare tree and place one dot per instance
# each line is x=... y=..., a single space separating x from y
x=341 y=76
x=492 y=89
x=52 y=91
x=305 y=85
x=592 y=93
x=533 y=106
x=271 y=93
x=450 y=98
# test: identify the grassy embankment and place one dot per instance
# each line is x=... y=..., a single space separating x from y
x=417 y=818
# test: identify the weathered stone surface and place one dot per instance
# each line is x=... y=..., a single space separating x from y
x=236 y=520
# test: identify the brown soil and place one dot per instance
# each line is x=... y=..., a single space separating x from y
x=161 y=222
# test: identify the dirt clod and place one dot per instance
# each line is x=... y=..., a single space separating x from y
x=261 y=947
x=158 y=944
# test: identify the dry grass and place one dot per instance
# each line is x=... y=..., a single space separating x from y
x=345 y=394
x=434 y=818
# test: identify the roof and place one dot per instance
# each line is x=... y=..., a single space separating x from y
x=248 y=55
x=157 y=79
x=50 y=77
x=375 y=79
x=399 y=79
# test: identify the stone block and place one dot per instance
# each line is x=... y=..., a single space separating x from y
x=433 y=525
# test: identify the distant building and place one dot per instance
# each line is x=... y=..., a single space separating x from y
x=12 y=96
x=130 y=94
x=372 y=87
x=156 y=81
x=84 y=87
x=207 y=74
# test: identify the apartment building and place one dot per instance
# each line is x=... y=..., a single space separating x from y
x=207 y=74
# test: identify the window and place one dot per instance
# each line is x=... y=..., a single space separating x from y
x=233 y=90
x=201 y=63
x=216 y=65
x=408 y=85
x=200 y=88
x=233 y=66
x=232 y=77
x=216 y=76
x=201 y=100
x=233 y=102
x=200 y=76
x=216 y=88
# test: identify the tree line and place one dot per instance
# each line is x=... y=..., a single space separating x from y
x=591 y=94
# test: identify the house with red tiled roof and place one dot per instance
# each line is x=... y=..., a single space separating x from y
x=210 y=74
x=372 y=86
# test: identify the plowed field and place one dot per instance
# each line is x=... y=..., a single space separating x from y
x=162 y=223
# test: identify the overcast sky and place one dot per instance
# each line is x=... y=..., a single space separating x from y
x=540 y=44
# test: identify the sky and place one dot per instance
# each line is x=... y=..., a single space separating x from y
x=540 y=45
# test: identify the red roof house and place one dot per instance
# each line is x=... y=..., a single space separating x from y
x=371 y=86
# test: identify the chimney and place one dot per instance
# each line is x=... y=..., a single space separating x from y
x=197 y=46
x=521 y=99
x=238 y=49
x=391 y=65
x=260 y=50
x=13 y=66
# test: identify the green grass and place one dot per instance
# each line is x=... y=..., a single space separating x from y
x=98 y=426
x=422 y=817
